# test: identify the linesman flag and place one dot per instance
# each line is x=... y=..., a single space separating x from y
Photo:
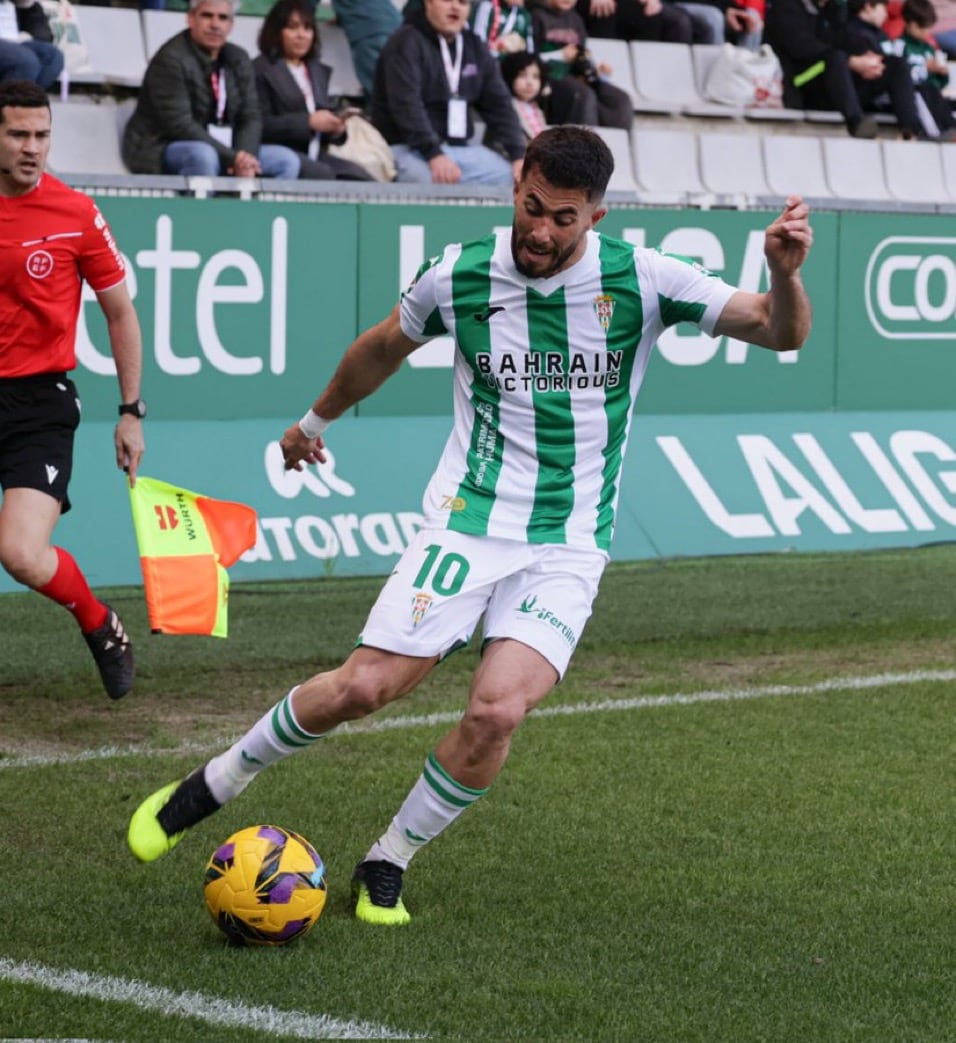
x=186 y=542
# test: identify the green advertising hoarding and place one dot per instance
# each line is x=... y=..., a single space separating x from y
x=692 y=485
x=896 y=326
x=246 y=308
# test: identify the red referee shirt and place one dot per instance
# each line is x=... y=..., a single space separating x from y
x=51 y=239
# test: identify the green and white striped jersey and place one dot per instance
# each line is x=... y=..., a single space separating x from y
x=546 y=373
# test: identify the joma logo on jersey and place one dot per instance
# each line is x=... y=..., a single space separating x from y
x=910 y=288
x=529 y=607
x=453 y=503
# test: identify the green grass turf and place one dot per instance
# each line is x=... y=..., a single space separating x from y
x=777 y=869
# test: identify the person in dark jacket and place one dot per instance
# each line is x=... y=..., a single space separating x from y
x=878 y=72
x=198 y=109
x=807 y=39
x=430 y=74
x=293 y=88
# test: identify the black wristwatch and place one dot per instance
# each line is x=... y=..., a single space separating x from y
x=137 y=408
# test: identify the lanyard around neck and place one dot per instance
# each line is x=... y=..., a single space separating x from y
x=452 y=68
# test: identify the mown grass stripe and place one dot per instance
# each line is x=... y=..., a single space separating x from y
x=211 y=1009
x=641 y=702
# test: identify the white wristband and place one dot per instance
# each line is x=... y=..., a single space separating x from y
x=312 y=425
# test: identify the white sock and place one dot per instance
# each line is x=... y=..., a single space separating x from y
x=435 y=801
x=275 y=735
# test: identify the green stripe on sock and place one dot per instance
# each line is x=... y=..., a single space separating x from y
x=447 y=788
x=277 y=724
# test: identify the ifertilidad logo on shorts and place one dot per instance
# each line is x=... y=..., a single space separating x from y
x=530 y=608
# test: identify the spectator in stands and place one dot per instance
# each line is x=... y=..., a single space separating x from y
x=367 y=24
x=198 y=109
x=27 y=50
x=527 y=80
x=816 y=69
x=928 y=66
x=729 y=21
x=878 y=72
x=661 y=21
x=293 y=88
x=504 y=25
x=580 y=91
x=430 y=74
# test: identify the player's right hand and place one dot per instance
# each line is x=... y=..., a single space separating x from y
x=298 y=449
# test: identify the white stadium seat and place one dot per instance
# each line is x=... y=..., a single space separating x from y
x=666 y=166
x=86 y=137
x=113 y=37
x=914 y=171
x=732 y=164
x=794 y=164
x=855 y=169
x=618 y=141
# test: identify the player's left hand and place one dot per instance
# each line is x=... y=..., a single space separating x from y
x=130 y=445
x=788 y=238
x=298 y=449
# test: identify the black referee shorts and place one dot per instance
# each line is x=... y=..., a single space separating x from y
x=38 y=418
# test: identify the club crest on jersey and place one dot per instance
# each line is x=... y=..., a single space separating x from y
x=39 y=264
x=421 y=603
x=604 y=309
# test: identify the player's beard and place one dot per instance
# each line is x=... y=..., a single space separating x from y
x=559 y=261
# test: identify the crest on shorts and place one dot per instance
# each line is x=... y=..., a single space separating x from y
x=421 y=603
x=604 y=309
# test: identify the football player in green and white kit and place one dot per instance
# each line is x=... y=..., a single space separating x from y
x=553 y=324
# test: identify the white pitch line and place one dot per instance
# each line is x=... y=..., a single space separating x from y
x=641 y=702
x=212 y=1009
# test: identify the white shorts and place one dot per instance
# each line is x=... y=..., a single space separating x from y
x=539 y=594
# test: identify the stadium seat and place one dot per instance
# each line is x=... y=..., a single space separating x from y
x=664 y=81
x=337 y=54
x=914 y=171
x=617 y=55
x=159 y=26
x=794 y=164
x=113 y=37
x=948 y=156
x=86 y=137
x=854 y=169
x=732 y=164
x=618 y=141
x=666 y=166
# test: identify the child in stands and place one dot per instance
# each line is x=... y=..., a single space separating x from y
x=527 y=80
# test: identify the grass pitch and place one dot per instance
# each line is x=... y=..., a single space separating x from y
x=769 y=868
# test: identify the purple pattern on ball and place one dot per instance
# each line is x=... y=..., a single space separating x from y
x=272 y=833
x=281 y=891
x=291 y=929
x=226 y=853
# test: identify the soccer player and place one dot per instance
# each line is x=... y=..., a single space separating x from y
x=554 y=324
x=51 y=239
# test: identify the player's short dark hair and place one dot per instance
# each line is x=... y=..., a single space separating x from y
x=22 y=94
x=921 y=12
x=571 y=157
x=279 y=16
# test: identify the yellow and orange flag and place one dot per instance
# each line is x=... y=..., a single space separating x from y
x=186 y=542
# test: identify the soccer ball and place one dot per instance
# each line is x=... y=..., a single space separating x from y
x=265 y=885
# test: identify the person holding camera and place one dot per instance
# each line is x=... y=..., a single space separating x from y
x=580 y=92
